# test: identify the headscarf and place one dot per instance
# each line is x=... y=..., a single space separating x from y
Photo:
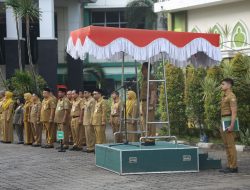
x=131 y=100
x=8 y=100
x=27 y=97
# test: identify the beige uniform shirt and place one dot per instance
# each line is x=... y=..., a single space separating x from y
x=143 y=91
x=35 y=112
x=228 y=101
x=62 y=105
x=76 y=108
x=100 y=111
x=116 y=108
x=89 y=106
x=26 y=111
x=47 y=105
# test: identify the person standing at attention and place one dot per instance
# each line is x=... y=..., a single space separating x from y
x=229 y=108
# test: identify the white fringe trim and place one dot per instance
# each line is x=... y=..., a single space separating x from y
x=153 y=51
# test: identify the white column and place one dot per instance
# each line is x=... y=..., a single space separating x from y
x=74 y=15
x=47 y=20
x=11 y=25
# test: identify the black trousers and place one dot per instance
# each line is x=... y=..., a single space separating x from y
x=19 y=132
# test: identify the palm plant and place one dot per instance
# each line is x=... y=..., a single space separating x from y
x=139 y=12
x=15 y=5
x=30 y=12
x=95 y=70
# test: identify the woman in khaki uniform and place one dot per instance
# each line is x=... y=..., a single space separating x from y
x=132 y=115
x=35 y=120
x=2 y=94
x=28 y=138
x=8 y=106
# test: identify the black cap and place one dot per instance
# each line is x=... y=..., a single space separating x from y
x=62 y=90
x=47 y=89
x=88 y=89
x=98 y=90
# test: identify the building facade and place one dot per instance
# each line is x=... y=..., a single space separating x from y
x=49 y=38
x=229 y=18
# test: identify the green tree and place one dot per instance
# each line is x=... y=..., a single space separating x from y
x=175 y=90
x=194 y=95
x=212 y=97
x=23 y=82
x=140 y=14
x=15 y=5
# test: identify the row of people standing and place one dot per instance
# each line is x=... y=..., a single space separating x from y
x=81 y=116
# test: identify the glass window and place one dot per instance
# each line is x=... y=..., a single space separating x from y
x=112 y=16
x=98 y=17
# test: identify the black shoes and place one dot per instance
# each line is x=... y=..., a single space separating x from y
x=36 y=145
x=27 y=144
x=148 y=143
x=47 y=146
x=75 y=148
x=229 y=170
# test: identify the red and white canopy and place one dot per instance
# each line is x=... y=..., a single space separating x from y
x=143 y=45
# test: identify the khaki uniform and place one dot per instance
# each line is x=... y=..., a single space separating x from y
x=8 y=123
x=83 y=132
x=36 y=126
x=151 y=112
x=115 y=119
x=1 y=118
x=98 y=119
x=89 y=106
x=70 y=132
x=61 y=122
x=76 y=128
x=229 y=101
x=48 y=105
x=28 y=137
x=54 y=124
x=132 y=126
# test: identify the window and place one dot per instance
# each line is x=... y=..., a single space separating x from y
x=111 y=18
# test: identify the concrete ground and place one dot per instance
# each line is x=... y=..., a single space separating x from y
x=27 y=168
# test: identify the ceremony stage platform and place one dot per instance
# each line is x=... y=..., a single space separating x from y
x=164 y=157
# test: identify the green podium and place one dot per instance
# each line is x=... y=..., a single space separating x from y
x=164 y=157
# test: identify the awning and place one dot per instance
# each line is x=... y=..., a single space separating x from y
x=144 y=45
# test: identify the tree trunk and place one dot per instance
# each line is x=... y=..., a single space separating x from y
x=19 y=46
x=29 y=51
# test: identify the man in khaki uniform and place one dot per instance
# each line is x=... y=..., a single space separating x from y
x=62 y=115
x=35 y=120
x=152 y=103
x=28 y=137
x=54 y=124
x=115 y=115
x=2 y=94
x=69 y=96
x=47 y=117
x=229 y=108
x=99 y=117
x=76 y=121
x=89 y=105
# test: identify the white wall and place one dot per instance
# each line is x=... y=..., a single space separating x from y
x=108 y=4
x=230 y=14
x=221 y=15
